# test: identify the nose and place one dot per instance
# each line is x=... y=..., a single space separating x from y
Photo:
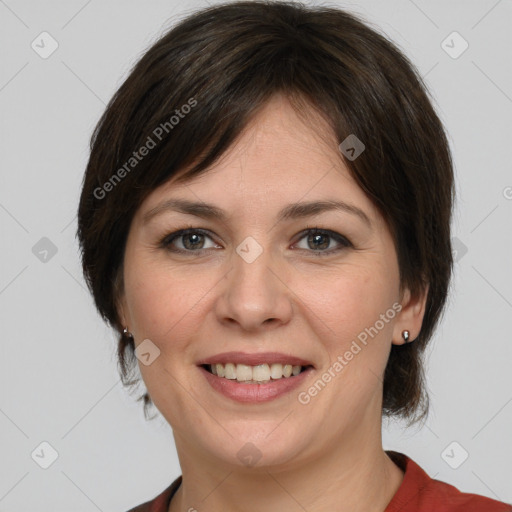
x=255 y=295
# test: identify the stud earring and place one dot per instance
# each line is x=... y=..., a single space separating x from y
x=127 y=333
x=405 y=336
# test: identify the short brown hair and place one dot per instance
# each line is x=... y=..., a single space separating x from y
x=230 y=59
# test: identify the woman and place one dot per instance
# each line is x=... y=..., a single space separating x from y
x=265 y=220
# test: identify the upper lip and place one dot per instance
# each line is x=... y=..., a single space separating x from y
x=254 y=359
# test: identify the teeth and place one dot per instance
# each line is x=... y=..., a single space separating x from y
x=254 y=374
x=243 y=372
x=220 y=369
x=229 y=371
x=276 y=371
x=261 y=372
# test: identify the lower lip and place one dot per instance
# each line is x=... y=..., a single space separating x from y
x=242 y=392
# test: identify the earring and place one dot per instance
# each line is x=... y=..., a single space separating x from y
x=127 y=333
x=405 y=336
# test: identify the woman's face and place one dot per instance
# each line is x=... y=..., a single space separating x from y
x=255 y=282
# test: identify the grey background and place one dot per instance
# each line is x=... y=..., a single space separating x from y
x=58 y=376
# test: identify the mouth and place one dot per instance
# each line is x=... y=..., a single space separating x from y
x=259 y=374
x=258 y=383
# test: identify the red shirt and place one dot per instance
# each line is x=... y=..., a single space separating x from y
x=417 y=493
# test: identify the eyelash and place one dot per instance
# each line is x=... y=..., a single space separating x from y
x=168 y=239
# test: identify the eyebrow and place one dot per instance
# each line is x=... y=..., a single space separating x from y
x=291 y=211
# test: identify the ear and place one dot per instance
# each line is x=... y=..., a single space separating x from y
x=120 y=300
x=121 y=311
x=410 y=317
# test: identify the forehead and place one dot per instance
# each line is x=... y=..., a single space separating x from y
x=279 y=157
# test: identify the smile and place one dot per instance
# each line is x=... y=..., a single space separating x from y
x=255 y=391
x=262 y=373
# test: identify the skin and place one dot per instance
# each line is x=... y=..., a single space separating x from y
x=323 y=456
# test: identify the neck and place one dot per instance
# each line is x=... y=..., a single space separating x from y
x=355 y=475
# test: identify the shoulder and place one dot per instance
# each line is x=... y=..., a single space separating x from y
x=421 y=493
x=161 y=502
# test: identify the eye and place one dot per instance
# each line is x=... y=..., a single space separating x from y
x=317 y=240
x=186 y=240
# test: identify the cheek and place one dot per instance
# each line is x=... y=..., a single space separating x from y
x=356 y=305
x=165 y=301
x=151 y=294
x=350 y=302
